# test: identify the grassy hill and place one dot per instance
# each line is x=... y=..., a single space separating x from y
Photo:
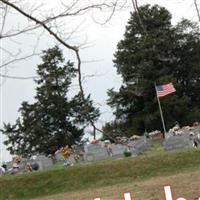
x=185 y=184
x=105 y=174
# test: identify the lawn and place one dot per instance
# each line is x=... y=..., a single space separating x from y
x=185 y=184
x=88 y=178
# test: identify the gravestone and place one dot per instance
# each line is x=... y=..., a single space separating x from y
x=44 y=162
x=118 y=149
x=196 y=130
x=2 y=171
x=58 y=156
x=95 y=152
x=139 y=146
x=178 y=142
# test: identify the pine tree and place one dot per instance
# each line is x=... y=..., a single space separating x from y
x=155 y=52
x=55 y=119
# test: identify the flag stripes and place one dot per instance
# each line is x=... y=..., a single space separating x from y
x=164 y=90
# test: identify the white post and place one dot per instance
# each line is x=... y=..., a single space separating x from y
x=127 y=196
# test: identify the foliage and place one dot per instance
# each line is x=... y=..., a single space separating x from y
x=127 y=153
x=54 y=120
x=156 y=52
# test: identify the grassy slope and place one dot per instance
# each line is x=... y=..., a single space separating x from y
x=101 y=174
x=185 y=184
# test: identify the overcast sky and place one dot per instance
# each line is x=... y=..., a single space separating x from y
x=100 y=74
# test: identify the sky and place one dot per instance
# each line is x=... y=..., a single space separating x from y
x=99 y=44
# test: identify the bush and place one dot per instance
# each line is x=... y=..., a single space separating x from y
x=127 y=153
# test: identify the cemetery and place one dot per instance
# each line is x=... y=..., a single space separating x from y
x=108 y=179
x=176 y=139
x=99 y=98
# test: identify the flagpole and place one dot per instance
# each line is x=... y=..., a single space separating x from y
x=161 y=114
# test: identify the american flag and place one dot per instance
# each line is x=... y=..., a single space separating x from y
x=164 y=90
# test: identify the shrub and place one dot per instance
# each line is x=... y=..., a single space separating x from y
x=127 y=153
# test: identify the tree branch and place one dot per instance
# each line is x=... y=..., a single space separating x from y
x=18 y=77
x=197 y=9
x=136 y=8
x=19 y=59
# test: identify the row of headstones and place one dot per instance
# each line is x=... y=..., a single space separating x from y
x=43 y=162
x=96 y=152
x=184 y=141
x=93 y=152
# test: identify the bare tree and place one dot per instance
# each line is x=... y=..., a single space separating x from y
x=35 y=19
x=197 y=9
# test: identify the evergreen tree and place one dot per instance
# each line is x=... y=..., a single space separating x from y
x=54 y=120
x=155 y=52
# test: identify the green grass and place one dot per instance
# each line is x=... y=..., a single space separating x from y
x=104 y=173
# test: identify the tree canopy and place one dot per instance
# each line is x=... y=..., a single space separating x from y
x=55 y=119
x=155 y=51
